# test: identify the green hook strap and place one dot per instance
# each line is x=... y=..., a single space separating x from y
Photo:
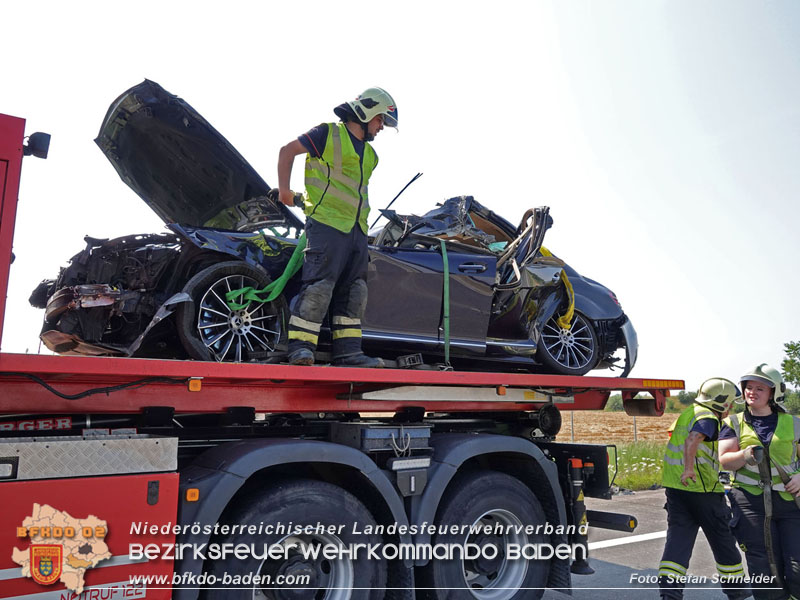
x=274 y=289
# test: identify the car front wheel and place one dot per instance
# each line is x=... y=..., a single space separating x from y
x=571 y=351
x=210 y=329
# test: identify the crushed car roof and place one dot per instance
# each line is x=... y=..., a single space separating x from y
x=182 y=167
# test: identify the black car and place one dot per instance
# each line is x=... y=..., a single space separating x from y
x=503 y=302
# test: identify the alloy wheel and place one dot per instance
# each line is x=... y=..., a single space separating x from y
x=235 y=335
x=573 y=348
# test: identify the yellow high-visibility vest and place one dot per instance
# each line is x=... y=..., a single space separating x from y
x=336 y=183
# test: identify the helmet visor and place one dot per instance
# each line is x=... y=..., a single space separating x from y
x=390 y=117
x=765 y=380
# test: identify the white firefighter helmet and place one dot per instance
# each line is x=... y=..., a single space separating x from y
x=372 y=102
x=768 y=376
x=718 y=394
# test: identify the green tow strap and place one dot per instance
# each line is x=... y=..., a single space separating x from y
x=446 y=304
x=275 y=289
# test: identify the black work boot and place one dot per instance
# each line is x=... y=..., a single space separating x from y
x=359 y=360
x=301 y=356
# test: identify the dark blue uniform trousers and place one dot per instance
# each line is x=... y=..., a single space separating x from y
x=748 y=527
x=686 y=513
x=335 y=277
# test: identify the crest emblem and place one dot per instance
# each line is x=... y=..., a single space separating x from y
x=46 y=563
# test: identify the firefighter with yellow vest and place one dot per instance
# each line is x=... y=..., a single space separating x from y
x=695 y=497
x=339 y=163
x=761 y=446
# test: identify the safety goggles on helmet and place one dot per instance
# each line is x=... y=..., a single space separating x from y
x=373 y=102
x=718 y=394
x=769 y=376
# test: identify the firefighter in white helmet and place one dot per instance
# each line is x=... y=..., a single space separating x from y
x=761 y=446
x=695 y=497
x=339 y=163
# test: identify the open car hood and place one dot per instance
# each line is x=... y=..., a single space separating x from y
x=182 y=167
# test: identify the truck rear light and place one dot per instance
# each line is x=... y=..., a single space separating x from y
x=192 y=495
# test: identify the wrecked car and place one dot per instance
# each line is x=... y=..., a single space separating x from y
x=458 y=283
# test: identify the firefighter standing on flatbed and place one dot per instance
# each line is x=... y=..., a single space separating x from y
x=339 y=162
x=695 y=497
x=761 y=446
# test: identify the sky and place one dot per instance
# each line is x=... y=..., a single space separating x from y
x=663 y=136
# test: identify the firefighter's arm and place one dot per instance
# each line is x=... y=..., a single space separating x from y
x=689 y=453
x=286 y=158
x=733 y=459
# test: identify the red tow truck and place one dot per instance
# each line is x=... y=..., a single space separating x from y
x=138 y=478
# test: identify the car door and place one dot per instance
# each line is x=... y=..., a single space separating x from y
x=406 y=291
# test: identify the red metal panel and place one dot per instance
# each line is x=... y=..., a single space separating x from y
x=269 y=388
x=119 y=500
x=12 y=130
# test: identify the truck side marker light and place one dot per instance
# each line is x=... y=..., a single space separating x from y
x=501 y=390
x=195 y=384
x=192 y=495
x=400 y=464
x=665 y=383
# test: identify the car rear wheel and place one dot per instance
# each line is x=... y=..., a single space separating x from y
x=209 y=329
x=570 y=351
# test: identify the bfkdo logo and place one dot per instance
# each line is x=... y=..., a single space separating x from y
x=46 y=560
x=62 y=547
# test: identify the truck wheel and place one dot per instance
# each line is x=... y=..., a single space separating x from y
x=570 y=351
x=488 y=500
x=210 y=330
x=300 y=502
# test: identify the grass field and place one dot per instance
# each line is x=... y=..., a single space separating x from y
x=638 y=464
x=640 y=443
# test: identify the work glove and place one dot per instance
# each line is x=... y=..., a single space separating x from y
x=297 y=199
x=753 y=455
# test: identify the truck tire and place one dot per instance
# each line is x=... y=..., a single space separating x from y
x=209 y=330
x=572 y=351
x=487 y=498
x=301 y=502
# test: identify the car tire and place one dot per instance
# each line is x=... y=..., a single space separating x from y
x=209 y=330
x=300 y=502
x=572 y=351
x=487 y=498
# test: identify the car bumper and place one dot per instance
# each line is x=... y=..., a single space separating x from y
x=631 y=346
